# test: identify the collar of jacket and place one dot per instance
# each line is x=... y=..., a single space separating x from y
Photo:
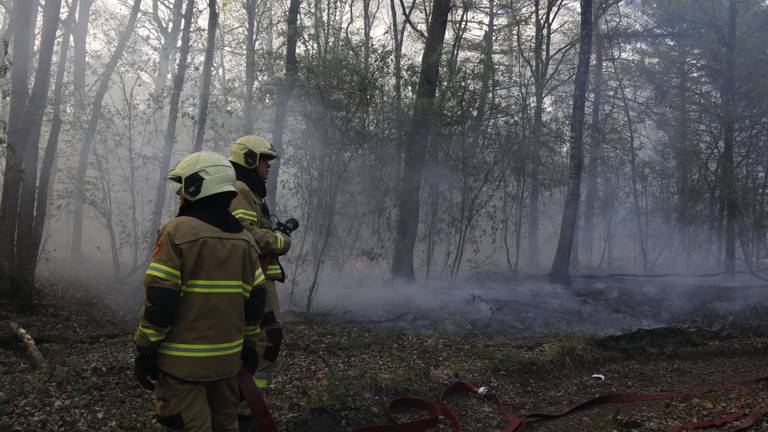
x=213 y=210
x=249 y=176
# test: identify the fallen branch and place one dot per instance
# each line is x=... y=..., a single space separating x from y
x=56 y=338
x=29 y=344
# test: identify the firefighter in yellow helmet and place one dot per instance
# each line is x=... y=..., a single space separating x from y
x=251 y=156
x=205 y=293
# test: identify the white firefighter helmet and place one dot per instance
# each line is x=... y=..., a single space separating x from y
x=249 y=149
x=203 y=174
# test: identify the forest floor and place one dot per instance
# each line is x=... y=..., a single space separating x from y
x=337 y=375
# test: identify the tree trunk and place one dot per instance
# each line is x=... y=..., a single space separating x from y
x=595 y=148
x=205 y=86
x=173 y=114
x=79 y=71
x=729 y=130
x=250 y=65
x=398 y=56
x=281 y=110
x=416 y=143
x=485 y=76
x=561 y=264
x=24 y=19
x=79 y=65
x=634 y=174
x=539 y=77
x=167 y=50
x=92 y=126
x=33 y=119
x=47 y=170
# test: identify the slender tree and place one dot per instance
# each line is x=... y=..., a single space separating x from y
x=595 y=139
x=284 y=96
x=205 y=86
x=47 y=170
x=32 y=123
x=93 y=124
x=173 y=114
x=729 y=131
x=416 y=143
x=561 y=264
x=24 y=18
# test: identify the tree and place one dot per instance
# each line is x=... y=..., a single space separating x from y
x=49 y=159
x=284 y=96
x=561 y=264
x=173 y=114
x=205 y=86
x=416 y=143
x=24 y=18
x=25 y=135
x=93 y=124
x=595 y=138
x=544 y=68
x=728 y=109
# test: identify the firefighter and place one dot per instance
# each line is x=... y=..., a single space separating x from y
x=251 y=157
x=205 y=293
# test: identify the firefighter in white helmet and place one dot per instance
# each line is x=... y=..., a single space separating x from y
x=251 y=157
x=205 y=291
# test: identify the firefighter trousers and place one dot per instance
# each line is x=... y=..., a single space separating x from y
x=269 y=338
x=187 y=406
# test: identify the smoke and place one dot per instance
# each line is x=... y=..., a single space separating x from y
x=496 y=303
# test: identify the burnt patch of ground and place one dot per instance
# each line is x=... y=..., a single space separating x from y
x=335 y=375
x=498 y=304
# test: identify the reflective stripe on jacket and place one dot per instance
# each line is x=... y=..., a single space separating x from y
x=247 y=208
x=213 y=274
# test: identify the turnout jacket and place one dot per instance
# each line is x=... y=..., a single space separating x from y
x=249 y=208
x=204 y=298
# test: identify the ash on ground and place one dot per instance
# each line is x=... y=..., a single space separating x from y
x=500 y=304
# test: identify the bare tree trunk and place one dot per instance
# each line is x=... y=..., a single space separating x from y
x=281 y=110
x=485 y=76
x=91 y=127
x=539 y=77
x=681 y=144
x=729 y=130
x=250 y=65
x=561 y=264
x=634 y=174
x=24 y=19
x=205 y=86
x=437 y=141
x=397 y=53
x=47 y=176
x=173 y=114
x=416 y=142
x=33 y=119
x=79 y=92
x=79 y=65
x=595 y=148
x=168 y=48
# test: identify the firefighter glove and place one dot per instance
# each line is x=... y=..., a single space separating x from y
x=145 y=368
x=250 y=359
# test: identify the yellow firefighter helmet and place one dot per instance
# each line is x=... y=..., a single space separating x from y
x=248 y=150
x=203 y=174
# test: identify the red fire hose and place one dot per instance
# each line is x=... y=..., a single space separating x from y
x=517 y=423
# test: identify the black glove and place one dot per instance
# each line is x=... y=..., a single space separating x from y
x=145 y=367
x=254 y=306
x=250 y=359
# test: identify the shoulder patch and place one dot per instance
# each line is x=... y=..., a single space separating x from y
x=158 y=246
